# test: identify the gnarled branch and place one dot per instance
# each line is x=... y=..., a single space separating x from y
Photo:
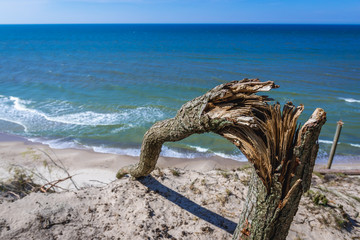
x=233 y=104
x=283 y=155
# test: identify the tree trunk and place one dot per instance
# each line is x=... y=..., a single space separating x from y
x=283 y=155
x=268 y=214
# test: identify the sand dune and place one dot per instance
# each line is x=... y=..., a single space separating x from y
x=203 y=202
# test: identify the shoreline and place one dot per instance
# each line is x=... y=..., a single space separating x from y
x=199 y=185
x=89 y=166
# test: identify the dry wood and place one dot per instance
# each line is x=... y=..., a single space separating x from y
x=231 y=104
x=53 y=185
x=283 y=155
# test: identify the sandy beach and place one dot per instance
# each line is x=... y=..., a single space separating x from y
x=89 y=167
x=203 y=200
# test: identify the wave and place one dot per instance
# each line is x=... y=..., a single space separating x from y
x=209 y=153
x=199 y=149
x=325 y=141
x=350 y=100
x=65 y=143
x=14 y=109
x=331 y=142
x=16 y=122
x=58 y=143
x=135 y=152
x=167 y=152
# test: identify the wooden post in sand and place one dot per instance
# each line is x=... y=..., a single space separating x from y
x=335 y=142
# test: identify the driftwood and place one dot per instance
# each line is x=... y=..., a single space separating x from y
x=283 y=155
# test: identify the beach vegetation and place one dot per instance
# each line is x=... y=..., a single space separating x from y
x=340 y=174
x=325 y=220
x=320 y=199
x=228 y=192
x=225 y=174
x=175 y=172
x=317 y=198
x=25 y=180
x=193 y=188
x=245 y=167
x=222 y=199
x=159 y=173
x=236 y=177
x=319 y=175
x=355 y=197
x=20 y=184
x=245 y=180
x=342 y=219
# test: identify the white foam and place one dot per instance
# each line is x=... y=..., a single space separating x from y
x=137 y=116
x=168 y=152
x=14 y=109
x=350 y=100
x=325 y=141
x=355 y=145
x=200 y=149
x=210 y=153
x=128 y=151
x=93 y=118
x=6 y=112
x=57 y=143
x=240 y=157
x=18 y=104
x=120 y=129
x=87 y=118
x=330 y=142
x=135 y=152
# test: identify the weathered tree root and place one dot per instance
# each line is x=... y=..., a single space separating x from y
x=228 y=105
x=283 y=155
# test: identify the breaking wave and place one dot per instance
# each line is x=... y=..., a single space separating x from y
x=15 y=110
x=350 y=100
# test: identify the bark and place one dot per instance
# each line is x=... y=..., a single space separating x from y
x=283 y=155
x=268 y=214
x=228 y=104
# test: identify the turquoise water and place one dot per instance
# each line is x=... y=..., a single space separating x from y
x=101 y=87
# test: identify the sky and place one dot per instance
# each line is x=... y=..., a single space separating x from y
x=180 y=11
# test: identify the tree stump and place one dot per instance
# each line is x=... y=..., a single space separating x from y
x=282 y=154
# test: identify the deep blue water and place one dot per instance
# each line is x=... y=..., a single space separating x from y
x=103 y=86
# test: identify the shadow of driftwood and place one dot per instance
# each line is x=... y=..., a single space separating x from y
x=188 y=205
x=351 y=224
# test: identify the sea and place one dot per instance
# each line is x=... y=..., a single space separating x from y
x=101 y=86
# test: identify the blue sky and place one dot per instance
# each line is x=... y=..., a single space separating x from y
x=179 y=11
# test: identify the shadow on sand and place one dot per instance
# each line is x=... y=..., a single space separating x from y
x=188 y=205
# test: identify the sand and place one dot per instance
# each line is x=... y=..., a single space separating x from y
x=203 y=202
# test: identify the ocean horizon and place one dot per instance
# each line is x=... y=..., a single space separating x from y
x=101 y=86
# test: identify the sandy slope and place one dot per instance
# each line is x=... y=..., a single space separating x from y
x=193 y=205
x=201 y=203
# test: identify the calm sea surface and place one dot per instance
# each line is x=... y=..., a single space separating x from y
x=102 y=86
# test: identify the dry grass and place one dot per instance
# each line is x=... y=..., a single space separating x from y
x=26 y=180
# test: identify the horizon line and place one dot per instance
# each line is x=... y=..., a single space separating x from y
x=230 y=23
